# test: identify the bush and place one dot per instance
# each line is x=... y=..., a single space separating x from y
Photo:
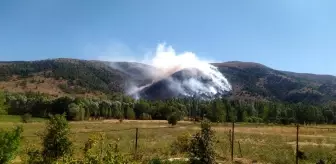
x=181 y=144
x=202 y=145
x=172 y=119
x=9 y=144
x=26 y=118
x=97 y=151
x=56 y=143
x=34 y=156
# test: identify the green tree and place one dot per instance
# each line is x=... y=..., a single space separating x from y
x=202 y=145
x=172 y=119
x=218 y=112
x=76 y=112
x=244 y=116
x=56 y=143
x=3 y=105
x=140 y=108
x=9 y=144
x=130 y=113
x=266 y=113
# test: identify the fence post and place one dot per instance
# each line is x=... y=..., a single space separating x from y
x=232 y=140
x=136 y=139
x=241 y=155
x=230 y=136
x=297 y=143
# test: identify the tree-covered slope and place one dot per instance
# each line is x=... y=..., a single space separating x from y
x=253 y=80
x=75 y=74
x=249 y=80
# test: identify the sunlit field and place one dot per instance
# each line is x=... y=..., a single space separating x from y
x=253 y=143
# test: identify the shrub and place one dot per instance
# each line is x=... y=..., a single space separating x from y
x=56 y=143
x=98 y=152
x=202 y=145
x=9 y=144
x=34 y=156
x=172 y=119
x=181 y=144
x=155 y=161
x=26 y=118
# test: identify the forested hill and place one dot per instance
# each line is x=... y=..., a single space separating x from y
x=256 y=81
x=59 y=77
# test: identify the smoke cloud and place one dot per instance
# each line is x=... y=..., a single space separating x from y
x=167 y=61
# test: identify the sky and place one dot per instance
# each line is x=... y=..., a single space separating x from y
x=291 y=35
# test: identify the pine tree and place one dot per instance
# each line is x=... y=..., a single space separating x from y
x=218 y=112
x=130 y=113
x=3 y=106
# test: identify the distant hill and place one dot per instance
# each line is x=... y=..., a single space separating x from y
x=253 y=80
x=64 y=76
x=81 y=77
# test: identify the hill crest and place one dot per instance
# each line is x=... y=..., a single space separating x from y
x=249 y=80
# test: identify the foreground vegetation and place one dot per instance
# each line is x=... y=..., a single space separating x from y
x=158 y=140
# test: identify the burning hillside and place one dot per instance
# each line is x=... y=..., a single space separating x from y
x=176 y=75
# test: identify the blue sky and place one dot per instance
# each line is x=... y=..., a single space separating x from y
x=293 y=35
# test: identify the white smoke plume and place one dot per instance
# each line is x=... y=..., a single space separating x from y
x=167 y=62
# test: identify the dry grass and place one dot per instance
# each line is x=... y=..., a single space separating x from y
x=49 y=86
x=258 y=143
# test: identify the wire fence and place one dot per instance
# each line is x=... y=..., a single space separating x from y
x=275 y=144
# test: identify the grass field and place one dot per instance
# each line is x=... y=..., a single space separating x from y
x=258 y=143
x=17 y=119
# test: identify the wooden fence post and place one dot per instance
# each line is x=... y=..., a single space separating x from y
x=136 y=139
x=297 y=143
x=232 y=140
x=241 y=155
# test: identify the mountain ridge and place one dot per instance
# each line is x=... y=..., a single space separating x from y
x=249 y=80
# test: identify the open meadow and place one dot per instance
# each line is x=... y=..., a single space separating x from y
x=254 y=143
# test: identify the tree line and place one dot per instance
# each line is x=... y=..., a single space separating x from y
x=124 y=107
